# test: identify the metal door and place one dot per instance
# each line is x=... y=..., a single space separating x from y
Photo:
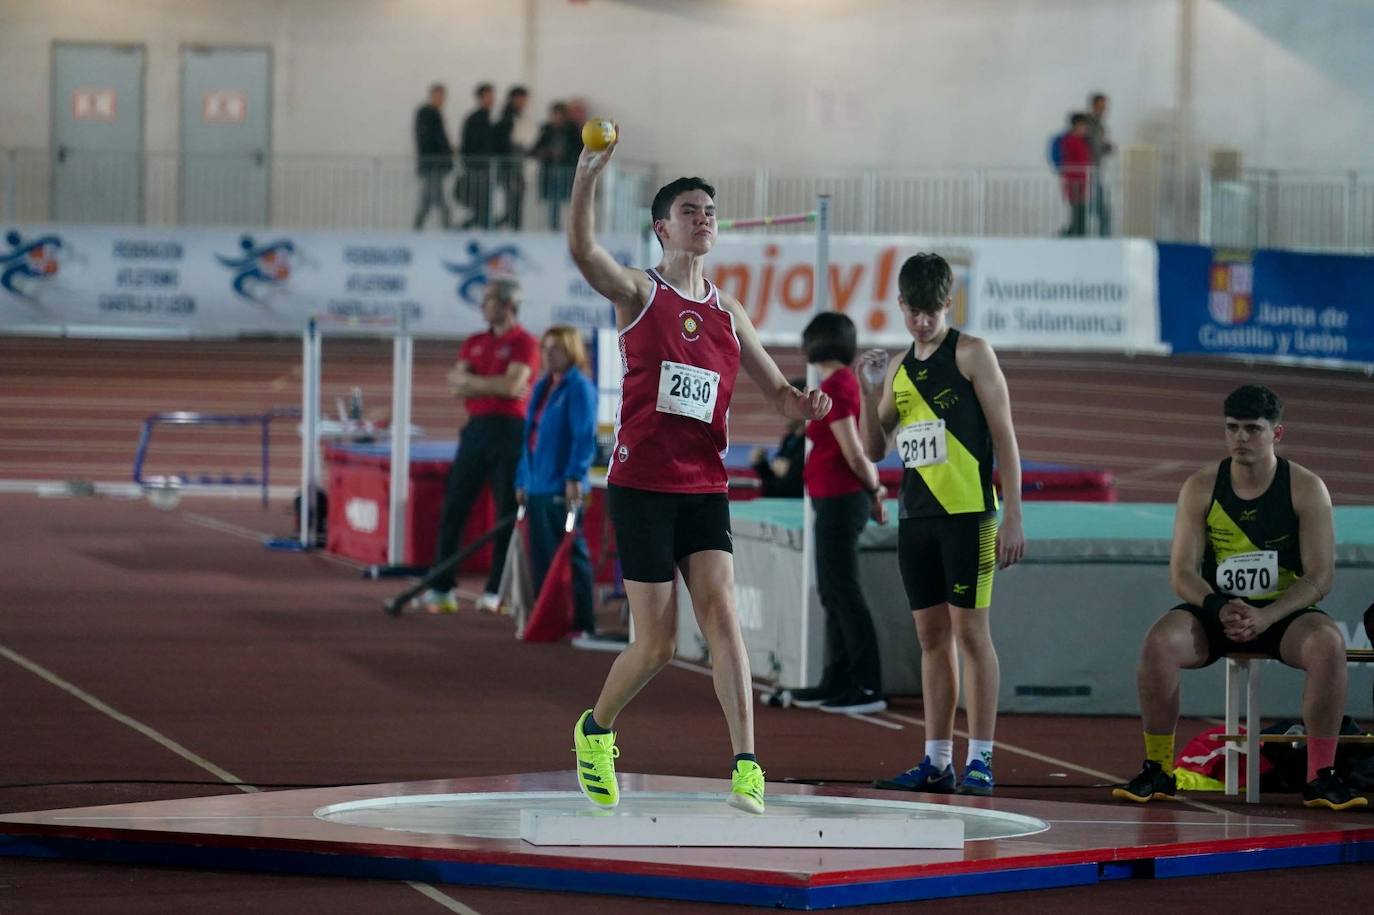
x=97 y=133
x=225 y=135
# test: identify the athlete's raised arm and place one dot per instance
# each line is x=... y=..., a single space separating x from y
x=878 y=415
x=754 y=359
x=627 y=289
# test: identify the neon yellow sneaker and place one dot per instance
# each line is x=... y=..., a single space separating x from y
x=746 y=787
x=596 y=755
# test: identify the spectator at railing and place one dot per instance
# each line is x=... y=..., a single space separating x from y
x=510 y=174
x=1075 y=167
x=1101 y=147
x=551 y=481
x=557 y=149
x=434 y=155
x=476 y=147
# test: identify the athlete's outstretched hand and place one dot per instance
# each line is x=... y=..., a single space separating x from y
x=1011 y=541
x=812 y=404
x=594 y=163
x=872 y=370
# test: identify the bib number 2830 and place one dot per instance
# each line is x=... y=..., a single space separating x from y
x=687 y=390
x=922 y=444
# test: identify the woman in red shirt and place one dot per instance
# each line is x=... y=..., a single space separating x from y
x=845 y=492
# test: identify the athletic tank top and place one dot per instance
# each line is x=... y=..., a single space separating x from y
x=942 y=437
x=1252 y=547
x=678 y=362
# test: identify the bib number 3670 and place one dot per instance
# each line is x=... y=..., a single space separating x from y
x=922 y=444
x=1249 y=574
x=687 y=390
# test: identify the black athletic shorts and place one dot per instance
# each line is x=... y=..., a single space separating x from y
x=655 y=530
x=948 y=559
x=1267 y=642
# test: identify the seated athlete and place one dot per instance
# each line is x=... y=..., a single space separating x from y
x=1253 y=551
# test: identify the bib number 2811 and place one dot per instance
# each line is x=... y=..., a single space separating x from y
x=922 y=444
x=687 y=390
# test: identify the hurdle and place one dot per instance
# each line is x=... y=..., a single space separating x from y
x=402 y=361
x=188 y=418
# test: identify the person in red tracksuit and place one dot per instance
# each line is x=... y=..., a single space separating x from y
x=1075 y=172
x=492 y=375
x=682 y=342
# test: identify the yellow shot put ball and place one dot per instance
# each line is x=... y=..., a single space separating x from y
x=597 y=134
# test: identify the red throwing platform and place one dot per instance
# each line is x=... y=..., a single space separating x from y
x=290 y=831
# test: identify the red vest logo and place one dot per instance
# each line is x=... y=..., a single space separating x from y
x=691 y=325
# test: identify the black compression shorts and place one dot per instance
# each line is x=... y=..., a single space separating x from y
x=948 y=559
x=1267 y=642
x=654 y=531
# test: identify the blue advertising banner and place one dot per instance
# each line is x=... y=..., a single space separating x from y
x=150 y=281
x=1276 y=304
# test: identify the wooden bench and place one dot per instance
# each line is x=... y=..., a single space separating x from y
x=1245 y=667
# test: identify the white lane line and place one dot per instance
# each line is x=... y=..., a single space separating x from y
x=1107 y=776
x=706 y=671
x=448 y=902
x=201 y=818
x=149 y=732
x=1013 y=748
x=166 y=742
x=248 y=533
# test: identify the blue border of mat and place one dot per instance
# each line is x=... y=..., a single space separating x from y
x=684 y=888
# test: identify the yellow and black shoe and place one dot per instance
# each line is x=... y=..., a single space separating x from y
x=1150 y=785
x=596 y=755
x=1329 y=791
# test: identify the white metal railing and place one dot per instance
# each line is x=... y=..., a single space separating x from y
x=1331 y=211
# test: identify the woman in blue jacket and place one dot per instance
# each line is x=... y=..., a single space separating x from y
x=560 y=440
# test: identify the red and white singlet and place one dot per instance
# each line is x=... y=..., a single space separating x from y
x=678 y=362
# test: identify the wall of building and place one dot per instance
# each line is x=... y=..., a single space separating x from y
x=721 y=85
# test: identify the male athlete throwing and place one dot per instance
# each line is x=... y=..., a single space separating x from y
x=682 y=342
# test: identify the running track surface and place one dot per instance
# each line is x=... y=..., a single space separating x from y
x=72 y=408
x=281 y=669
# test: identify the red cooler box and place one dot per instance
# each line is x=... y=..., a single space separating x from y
x=358 y=481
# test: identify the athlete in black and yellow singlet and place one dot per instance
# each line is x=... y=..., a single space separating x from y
x=948 y=504
x=933 y=391
x=1252 y=553
x=1252 y=550
x=946 y=407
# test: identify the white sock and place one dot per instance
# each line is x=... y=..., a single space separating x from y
x=941 y=752
x=981 y=750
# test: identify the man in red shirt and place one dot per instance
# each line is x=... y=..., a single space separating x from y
x=493 y=376
x=682 y=342
x=1075 y=168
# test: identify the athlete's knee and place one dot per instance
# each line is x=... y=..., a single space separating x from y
x=657 y=650
x=1323 y=645
x=1169 y=645
x=715 y=612
x=971 y=628
x=935 y=637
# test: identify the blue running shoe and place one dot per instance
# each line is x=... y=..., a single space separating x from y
x=977 y=779
x=924 y=777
